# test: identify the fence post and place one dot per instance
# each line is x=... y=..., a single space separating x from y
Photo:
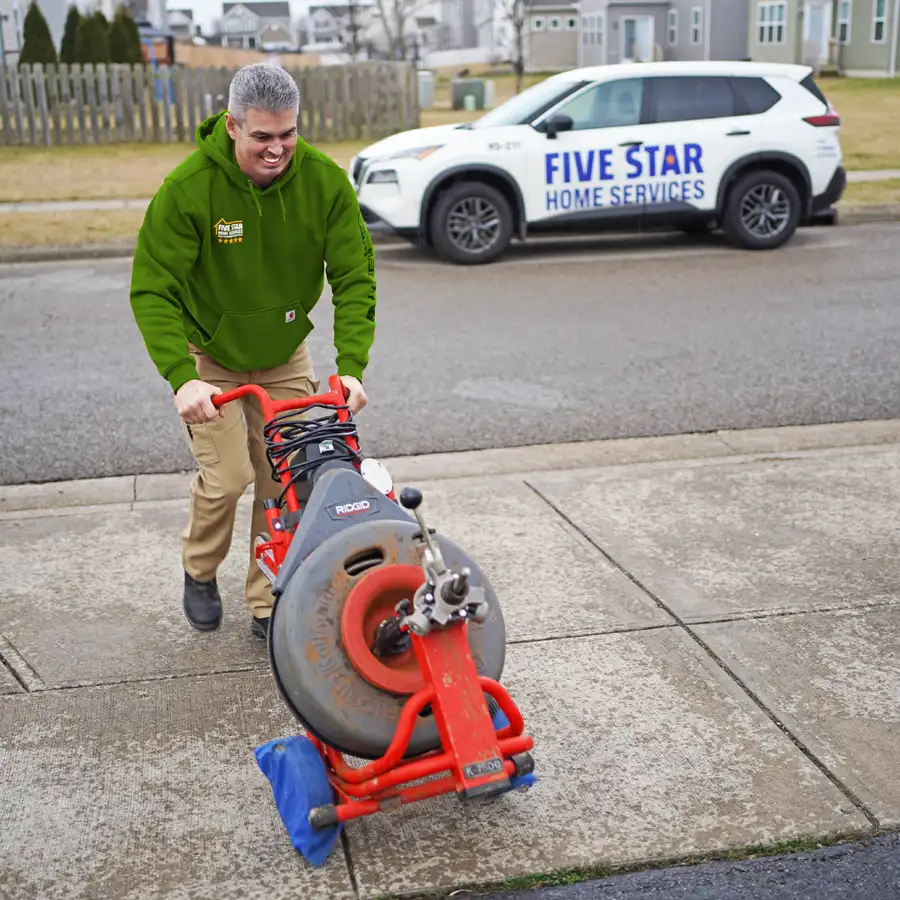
x=102 y=72
x=5 y=110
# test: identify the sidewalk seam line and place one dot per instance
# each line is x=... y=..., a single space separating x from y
x=348 y=859
x=29 y=677
x=258 y=669
x=9 y=668
x=844 y=789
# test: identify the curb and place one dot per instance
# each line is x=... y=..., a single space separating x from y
x=861 y=215
x=110 y=250
x=715 y=446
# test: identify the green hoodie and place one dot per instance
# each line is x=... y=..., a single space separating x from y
x=236 y=270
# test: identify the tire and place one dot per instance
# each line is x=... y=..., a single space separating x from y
x=471 y=199
x=762 y=190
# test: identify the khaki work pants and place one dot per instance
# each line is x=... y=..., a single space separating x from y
x=230 y=454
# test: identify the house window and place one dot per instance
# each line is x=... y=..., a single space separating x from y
x=696 y=24
x=592 y=29
x=878 y=21
x=672 y=23
x=554 y=24
x=572 y=24
x=770 y=23
x=845 y=10
x=537 y=24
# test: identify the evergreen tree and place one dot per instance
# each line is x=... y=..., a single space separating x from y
x=70 y=32
x=92 y=40
x=124 y=39
x=37 y=43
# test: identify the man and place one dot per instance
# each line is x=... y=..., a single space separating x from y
x=230 y=260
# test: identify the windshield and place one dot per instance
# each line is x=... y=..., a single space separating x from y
x=528 y=105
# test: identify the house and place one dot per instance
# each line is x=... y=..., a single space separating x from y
x=568 y=34
x=342 y=24
x=260 y=25
x=469 y=23
x=551 y=36
x=856 y=37
x=181 y=23
x=12 y=23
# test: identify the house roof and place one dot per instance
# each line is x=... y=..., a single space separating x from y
x=187 y=13
x=550 y=4
x=265 y=9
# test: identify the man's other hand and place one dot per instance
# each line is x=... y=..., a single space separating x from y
x=193 y=403
x=357 y=399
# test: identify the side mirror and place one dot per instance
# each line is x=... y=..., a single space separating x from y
x=556 y=124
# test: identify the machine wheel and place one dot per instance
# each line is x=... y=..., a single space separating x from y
x=353 y=711
x=471 y=223
x=762 y=211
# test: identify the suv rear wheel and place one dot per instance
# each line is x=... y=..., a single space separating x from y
x=471 y=223
x=762 y=211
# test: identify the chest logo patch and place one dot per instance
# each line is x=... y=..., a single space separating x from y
x=230 y=232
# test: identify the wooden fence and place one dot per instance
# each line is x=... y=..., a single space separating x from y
x=102 y=104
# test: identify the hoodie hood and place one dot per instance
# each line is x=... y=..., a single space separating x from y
x=216 y=144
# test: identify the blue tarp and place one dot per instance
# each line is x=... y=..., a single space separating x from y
x=300 y=783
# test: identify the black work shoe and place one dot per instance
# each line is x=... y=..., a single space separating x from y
x=259 y=627
x=202 y=603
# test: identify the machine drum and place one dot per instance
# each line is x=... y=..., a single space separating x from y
x=323 y=629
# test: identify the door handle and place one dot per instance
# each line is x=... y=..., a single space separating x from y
x=631 y=144
x=736 y=133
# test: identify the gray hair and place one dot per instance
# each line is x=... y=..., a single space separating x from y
x=262 y=86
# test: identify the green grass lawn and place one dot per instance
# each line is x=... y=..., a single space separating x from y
x=870 y=120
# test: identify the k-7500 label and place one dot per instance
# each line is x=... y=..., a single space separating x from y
x=486 y=767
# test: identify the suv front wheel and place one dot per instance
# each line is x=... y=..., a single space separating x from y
x=762 y=211
x=471 y=223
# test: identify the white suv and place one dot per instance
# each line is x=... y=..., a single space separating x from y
x=750 y=147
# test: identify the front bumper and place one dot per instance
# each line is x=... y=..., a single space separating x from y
x=379 y=227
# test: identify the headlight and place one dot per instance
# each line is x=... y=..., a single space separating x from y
x=382 y=176
x=416 y=152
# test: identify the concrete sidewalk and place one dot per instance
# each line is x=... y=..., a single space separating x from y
x=704 y=639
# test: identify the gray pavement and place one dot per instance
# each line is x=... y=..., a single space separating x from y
x=704 y=639
x=567 y=341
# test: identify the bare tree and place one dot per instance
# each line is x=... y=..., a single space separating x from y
x=395 y=16
x=514 y=12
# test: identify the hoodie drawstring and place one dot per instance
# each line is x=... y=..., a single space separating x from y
x=256 y=199
x=253 y=194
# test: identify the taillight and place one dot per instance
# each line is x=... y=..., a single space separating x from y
x=831 y=119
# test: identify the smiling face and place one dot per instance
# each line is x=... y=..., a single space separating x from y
x=264 y=144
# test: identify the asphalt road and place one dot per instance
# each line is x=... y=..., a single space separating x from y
x=598 y=338
x=869 y=870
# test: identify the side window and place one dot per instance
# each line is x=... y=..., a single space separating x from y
x=606 y=105
x=753 y=96
x=689 y=97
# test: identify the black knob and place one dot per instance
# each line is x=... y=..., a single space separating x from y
x=411 y=497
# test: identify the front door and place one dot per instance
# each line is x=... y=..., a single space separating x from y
x=637 y=39
x=816 y=32
x=584 y=173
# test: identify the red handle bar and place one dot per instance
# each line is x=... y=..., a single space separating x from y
x=270 y=408
x=337 y=396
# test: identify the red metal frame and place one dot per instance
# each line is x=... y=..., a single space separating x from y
x=476 y=756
